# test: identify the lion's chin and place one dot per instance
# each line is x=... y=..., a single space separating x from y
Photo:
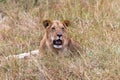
x=57 y=46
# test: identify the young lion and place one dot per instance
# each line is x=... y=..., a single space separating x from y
x=56 y=38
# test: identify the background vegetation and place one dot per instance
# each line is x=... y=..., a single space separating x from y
x=94 y=23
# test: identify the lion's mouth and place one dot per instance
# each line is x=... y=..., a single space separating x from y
x=57 y=43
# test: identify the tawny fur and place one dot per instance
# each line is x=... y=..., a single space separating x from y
x=68 y=43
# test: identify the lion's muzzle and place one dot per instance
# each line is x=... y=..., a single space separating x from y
x=58 y=42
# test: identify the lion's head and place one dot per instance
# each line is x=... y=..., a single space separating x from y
x=56 y=33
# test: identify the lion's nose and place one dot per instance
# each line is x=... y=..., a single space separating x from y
x=59 y=35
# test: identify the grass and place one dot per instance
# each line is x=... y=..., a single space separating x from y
x=95 y=24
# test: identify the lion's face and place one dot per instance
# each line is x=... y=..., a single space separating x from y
x=56 y=32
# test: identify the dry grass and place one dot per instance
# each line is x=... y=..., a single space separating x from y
x=94 y=23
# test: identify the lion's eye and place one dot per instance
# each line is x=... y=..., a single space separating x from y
x=62 y=28
x=53 y=28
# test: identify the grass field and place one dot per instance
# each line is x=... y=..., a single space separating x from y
x=94 y=23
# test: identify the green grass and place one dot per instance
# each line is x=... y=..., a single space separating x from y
x=95 y=24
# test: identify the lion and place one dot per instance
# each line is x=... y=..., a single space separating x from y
x=57 y=39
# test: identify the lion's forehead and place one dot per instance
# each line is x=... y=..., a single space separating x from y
x=57 y=23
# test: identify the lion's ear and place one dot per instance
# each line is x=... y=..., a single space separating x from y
x=46 y=23
x=66 y=22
